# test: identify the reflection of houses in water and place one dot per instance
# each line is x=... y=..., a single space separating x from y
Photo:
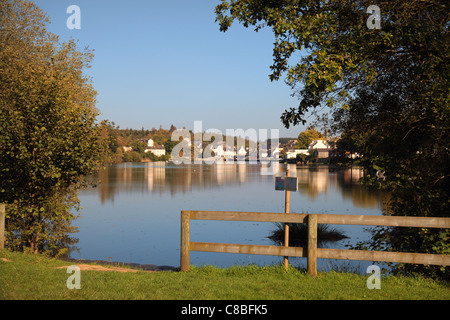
x=155 y=173
x=158 y=177
x=313 y=182
x=161 y=178
x=242 y=172
x=227 y=173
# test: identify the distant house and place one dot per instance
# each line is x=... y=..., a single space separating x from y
x=127 y=149
x=289 y=146
x=275 y=152
x=293 y=154
x=230 y=152
x=319 y=144
x=321 y=153
x=241 y=152
x=264 y=153
x=157 y=150
x=319 y=148
x=218 y=151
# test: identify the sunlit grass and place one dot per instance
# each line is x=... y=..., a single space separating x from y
x=24 y=276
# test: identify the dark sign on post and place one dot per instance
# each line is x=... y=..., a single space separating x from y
x=285 y=183
x=290 y=184
x=279 y=183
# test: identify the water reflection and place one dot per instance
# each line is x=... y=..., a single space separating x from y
x=161 y=177
x=314 y=181
x=133 y=215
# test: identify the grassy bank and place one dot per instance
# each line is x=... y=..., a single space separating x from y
x=24 y=276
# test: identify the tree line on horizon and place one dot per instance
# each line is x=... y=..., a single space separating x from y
x=115 y=139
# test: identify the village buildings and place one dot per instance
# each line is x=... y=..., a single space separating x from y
x=157 y=150
x=319 y=149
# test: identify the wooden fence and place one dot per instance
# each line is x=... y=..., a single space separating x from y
x=311 y=252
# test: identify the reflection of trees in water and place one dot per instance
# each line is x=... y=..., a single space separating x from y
x=349 y=182
x=316 y=180
x=160 y=178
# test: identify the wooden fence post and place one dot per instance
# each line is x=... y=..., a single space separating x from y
x=312 y=245
x=2 y=226
x=286 y=225
x=185 y=222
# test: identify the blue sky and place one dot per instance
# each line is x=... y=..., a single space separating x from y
x=166 y=62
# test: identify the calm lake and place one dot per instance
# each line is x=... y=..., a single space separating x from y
x=133 y=214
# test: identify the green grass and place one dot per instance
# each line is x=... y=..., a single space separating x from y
x=37 y=277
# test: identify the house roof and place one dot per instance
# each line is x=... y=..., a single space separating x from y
x=319 y=144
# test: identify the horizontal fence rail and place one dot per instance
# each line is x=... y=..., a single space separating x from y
x=311 y=252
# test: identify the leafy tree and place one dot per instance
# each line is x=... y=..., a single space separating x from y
x=169 y=145
x=139 y=146
x=48 y=136
x=108 y=138
x=302 y=158
x=306 y=137
x=132 y=156
x=387 y=89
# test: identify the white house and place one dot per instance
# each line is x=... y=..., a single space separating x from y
x=218 y=151
x=318 y=144
x=263 y=153
x=157 y=150
x=293 y=154
x=319 y=148
x=275 y=152
x=229 y=152
x=241 y=152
